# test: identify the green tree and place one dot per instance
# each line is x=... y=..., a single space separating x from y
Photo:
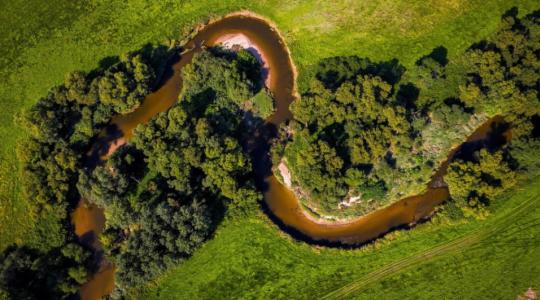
x=473 y=184
x=125 y=85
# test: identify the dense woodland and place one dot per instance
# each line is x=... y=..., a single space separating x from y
x=362 y=128
x=371 y=131
x=165 y=193
x=61 y=128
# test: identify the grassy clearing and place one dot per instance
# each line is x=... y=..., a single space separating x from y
x=251 y=259
x=263 y=104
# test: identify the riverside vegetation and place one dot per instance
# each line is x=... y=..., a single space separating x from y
x=164 y=194
x=163 y=197
x=367 y=131
x=61 y=126
x=158 y=215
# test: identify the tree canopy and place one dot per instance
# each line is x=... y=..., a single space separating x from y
x=61 y=126
x=165 y=192
x=473 y=184
x=28 y=274
x=348 y=129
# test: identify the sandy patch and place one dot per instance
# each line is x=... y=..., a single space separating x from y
x=348 y=202
x=233 y=40
x=286 y=174
x=113 y=146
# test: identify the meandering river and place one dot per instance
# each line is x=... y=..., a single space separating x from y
x=267 y=44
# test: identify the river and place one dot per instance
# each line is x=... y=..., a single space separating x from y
x=284 y=207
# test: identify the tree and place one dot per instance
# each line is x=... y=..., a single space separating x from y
x=29 y=274
x=350 y=121
x=473 y=184
x=503 y=71
x=125 y=85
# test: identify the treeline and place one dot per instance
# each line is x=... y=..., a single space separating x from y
x=166 y=191
x=61 y=127
x=503 y=78
x=374 y=132
x=62 y=124
x=32 y=274
x=348 y=129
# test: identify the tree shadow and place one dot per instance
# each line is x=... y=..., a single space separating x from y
x=407 y=95
x=457 y=102
x=536 y=126
x=159 y=57
x=162 y=59
x=258 y=145
x=494 y=139
x=438 y=54
x=333 y=71
x=512 y=12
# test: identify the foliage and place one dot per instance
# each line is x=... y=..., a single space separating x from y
x=28 y=274
x=62 y=124
x=503 y=72
x=350 y=130
x=219 y=73
x=525 y=144
x=125 y=85
x=165 y=193
x=474 y=184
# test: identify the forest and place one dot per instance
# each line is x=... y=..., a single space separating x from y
x=371 y=132
x=165 y=193
x=61 y=127
x=362 y=129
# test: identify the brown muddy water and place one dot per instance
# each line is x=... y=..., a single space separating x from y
x=267 y=43
x=408 y=211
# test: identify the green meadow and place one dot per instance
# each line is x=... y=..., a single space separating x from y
x=494 y=258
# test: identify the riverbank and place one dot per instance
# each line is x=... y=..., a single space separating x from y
x=436 y=182
x=268 y=252
x=233 y=29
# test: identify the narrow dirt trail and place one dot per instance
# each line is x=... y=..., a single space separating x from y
x=458 y=244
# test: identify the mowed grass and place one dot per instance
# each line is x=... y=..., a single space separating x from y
x=43 y=40
x=251 y=259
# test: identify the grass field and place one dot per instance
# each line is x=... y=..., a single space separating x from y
x=250 y=259
x=43 y=40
